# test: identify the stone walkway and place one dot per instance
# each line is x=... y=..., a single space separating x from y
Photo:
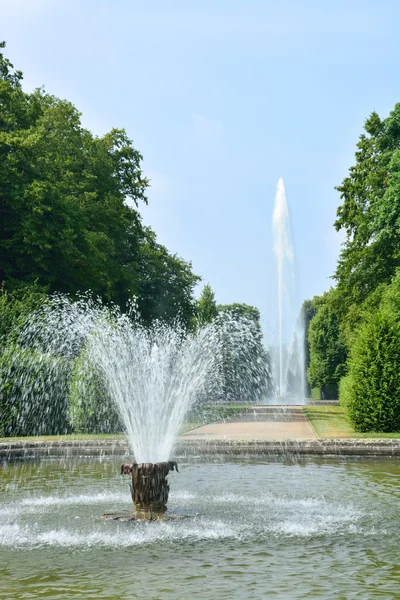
x=270 y=423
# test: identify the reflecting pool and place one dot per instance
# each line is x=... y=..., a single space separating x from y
x=310 y=529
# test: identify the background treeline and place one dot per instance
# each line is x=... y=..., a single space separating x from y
x=354 y=328
x=69 y=218
x=69 y=223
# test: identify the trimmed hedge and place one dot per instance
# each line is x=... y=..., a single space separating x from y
x=371 y=390
x=33 y=393
x=91 y=410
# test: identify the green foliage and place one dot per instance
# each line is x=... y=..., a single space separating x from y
x=165 y=282
x=90 y=410
x=328 y=351
x=367 y=297
x=206 y=306
x=240 y=309
x=371 y=390
x=370 y=213
x=307 y=312
x=15 y=306
x=69 y=223
x=316 y=393
x=33 y=393
x=65 y=223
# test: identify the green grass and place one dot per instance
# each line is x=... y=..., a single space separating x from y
x=331 y=422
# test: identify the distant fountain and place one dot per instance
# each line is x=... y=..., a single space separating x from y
x=288 y=366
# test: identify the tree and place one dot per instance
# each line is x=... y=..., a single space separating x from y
x=165 y=283
x=328 y=351
x=66 y=226
x=64 y=221
x=15 y=306
x=307 y=312
x=358 y=319
x=206 y=306
x=370 y=212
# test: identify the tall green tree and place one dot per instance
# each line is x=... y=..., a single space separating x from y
x=63 y=214
x=165 y=282
x=307 y=312
x=65 y=221
x=370 y=213
x=206 y=306
x=328 y=352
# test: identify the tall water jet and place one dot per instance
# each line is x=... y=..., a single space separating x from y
x=288 y=358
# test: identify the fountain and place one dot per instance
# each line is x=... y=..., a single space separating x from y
x=259 y=526
x=149 y=489
x=288 y=363
x=153 y=374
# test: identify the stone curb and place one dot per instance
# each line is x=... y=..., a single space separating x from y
x=389 y=448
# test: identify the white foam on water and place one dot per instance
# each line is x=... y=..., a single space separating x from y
x=135 y=534
x=80 y=499
x=12 y=534
x=37 y=505
x=182 y=496
x=193 y=530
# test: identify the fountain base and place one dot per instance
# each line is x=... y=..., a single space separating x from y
x=149 y=488
x=127 y=516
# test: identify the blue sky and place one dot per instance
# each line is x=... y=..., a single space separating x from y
x=222 y=98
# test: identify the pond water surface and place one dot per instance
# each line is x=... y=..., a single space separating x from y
x=256 y=529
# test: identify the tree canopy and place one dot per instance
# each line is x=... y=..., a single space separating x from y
x=327 y=347
x=354 y=338
x=206 y=307
x=70 y=223
x=370 y=212
x=69 y=218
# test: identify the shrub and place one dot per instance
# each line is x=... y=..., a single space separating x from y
x=91 y=410
x=33 y=393
x=15 y=306
x=371 y=391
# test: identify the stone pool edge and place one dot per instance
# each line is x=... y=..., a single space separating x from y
x=345 y=447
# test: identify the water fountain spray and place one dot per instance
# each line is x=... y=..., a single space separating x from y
x=154 y=375
x=283 y=250
x=290 y=375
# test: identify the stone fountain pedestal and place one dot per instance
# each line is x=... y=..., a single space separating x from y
x=149 y=488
